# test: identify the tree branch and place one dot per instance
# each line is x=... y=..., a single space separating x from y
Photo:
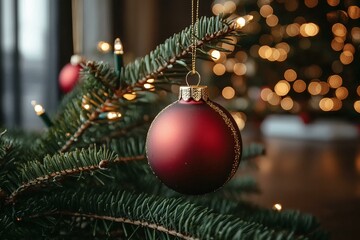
x=56 y=176
x=120 y=220
x=139 y=84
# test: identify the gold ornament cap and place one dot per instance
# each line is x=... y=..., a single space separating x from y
x=193 y=92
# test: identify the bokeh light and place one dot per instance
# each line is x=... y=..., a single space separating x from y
x=290 y=75
x=228 y=92
x=282 y=88
x=334 y=81
x=299 y=86
x=219 y=69
x=287 y=103
x=341 y=93
x=357 y=106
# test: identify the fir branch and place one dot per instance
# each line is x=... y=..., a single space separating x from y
x=130 y=159
x=172 y=50
x=173 y=216
x=59 y=166
x=119 y=220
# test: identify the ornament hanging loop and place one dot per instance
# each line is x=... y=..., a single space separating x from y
x=193 y=73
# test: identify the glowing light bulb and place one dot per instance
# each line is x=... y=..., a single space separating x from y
x=37 y=108
x=86 y=106
x=118 y=47
x=148 y=86
x=277 y=207
x=113 y=115
x=130 y=96
x=215 y=55
x=240 y=22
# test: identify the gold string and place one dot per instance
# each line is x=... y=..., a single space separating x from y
x=194 y=32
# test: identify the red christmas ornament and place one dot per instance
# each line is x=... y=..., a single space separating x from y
x=69 y=74
x=305 y=117
x=194 y=145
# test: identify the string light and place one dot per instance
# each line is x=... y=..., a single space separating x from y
x=277 y=207
x=113 y=115
x=240 y=22
x=130 y=96
x=40 y=111
x=118 y=56
x=86 y=106
x=215 y=55
x=148 y=86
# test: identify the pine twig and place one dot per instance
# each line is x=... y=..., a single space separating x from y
x=231 y=27
x=57 y=176
x=119 y=220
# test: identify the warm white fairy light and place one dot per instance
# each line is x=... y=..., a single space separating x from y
x=118 y=47
x=113 y=115
x=148 y=86
x=130 y=96
x=240 y=22
x=37 y=108
x=277 y=207
x=86 y=106
x=215 y=55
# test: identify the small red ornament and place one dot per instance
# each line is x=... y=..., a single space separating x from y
x=69 y=74
x=194 y=145
x=305 y=118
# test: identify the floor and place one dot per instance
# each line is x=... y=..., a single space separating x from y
x=321 y=178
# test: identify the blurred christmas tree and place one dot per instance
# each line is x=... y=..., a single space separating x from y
x=299 y=57
x=87 y=175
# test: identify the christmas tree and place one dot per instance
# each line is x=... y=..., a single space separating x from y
x=87 y=176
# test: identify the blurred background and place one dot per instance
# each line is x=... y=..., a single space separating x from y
x=293 y=84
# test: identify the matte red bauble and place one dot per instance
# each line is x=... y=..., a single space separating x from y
x=194 y=145
x=69 y=74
